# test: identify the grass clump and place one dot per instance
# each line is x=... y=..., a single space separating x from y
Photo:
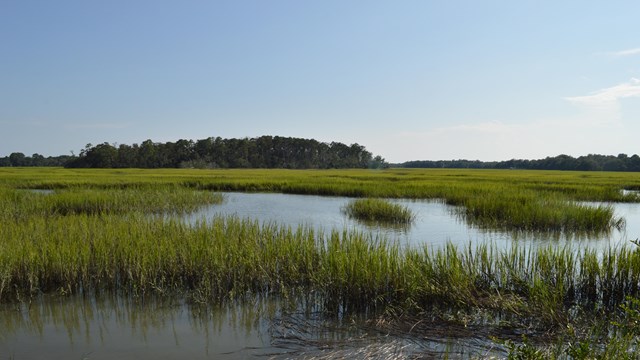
x=16 y=204
x=379 y=210
x=537 y=212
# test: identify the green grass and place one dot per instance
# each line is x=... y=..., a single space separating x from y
x=24 y=204
x=232 y=257
x=537 y=212
x=50 y=241
x=550 y=291
x=96 y=233
x=379 y=210
x=496 y=199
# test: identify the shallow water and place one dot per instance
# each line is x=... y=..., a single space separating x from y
x=435 y=225
x=630 y=192
x=117 y=328
x=41 y=191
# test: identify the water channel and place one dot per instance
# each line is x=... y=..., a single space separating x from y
x=436 y=223
x=113 y=327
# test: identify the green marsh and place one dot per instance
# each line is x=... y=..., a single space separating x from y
x=94 y=234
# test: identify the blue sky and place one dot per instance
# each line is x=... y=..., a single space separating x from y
x=487 y=80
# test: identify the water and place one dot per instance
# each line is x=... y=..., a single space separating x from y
x=41 y=191
x=115 y=327
x=635 y=193
x=436 y=223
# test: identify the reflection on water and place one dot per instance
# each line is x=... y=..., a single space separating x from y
x=41 y=191
x=635 y=193
x=436 y=223
x=78 y=328
x=122 y=328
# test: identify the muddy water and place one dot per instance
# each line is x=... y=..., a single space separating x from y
x=90 y=328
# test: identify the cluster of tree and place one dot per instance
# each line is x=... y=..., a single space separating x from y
x=20 y=159
x=591 y=162
x=447 y=164
x=260 y=152
x=289 y=153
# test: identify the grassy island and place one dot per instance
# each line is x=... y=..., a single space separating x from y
x=379 y=210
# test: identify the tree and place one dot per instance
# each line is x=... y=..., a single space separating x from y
x=261 y=152
x=38 y=160
x=147 y=155
x=18 y=159
x=127 y=155
x=378 y=162
x=634 y=163
x=102 y=156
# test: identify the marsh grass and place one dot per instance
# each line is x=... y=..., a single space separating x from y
x=542 y=291
x=94 y=234
x=538 y=213
x=76 y=201
x=499 y=199
x=231 y=258
x=379 y=211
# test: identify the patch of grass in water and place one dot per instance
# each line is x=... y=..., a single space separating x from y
x=537 y=212
x=379 y=211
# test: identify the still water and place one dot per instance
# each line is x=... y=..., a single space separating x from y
x=114 y=327
x=436 y=223
x=118 y=328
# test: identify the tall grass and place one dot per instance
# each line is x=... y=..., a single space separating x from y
x=537 y=212
x=95 y=232
x=75 y=201
x=232 y=258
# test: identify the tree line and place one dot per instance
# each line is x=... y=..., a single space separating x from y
x=20 y=159
x=290 y=153
x=591 y=162
x=260 y=152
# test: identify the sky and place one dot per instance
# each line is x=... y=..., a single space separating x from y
x=409 y=80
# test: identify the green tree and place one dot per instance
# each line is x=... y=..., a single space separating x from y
x=18 y=159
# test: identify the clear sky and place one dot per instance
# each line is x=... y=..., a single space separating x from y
x=410 y=80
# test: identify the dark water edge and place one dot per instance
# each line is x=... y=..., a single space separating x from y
x=124 y=328
x=59 y=327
